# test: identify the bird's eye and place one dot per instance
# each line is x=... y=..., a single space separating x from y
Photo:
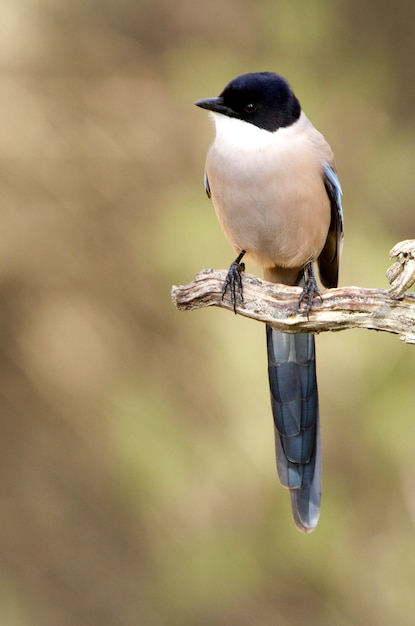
x=250 y=107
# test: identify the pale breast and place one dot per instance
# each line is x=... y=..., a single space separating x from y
x=270 y=197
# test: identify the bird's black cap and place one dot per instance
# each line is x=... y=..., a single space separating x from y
x=264 y=99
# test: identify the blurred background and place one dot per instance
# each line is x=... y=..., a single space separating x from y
x=137 y=472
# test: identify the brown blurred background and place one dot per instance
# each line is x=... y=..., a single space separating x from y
x=137 y=472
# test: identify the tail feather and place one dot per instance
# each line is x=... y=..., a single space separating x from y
x=294 y=399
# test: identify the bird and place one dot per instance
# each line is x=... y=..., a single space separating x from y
x=273 y=182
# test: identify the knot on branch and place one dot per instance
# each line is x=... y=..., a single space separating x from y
x=401 y=275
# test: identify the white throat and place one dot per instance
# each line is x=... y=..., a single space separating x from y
x=240 y=134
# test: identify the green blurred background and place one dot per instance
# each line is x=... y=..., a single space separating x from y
x=137 y=472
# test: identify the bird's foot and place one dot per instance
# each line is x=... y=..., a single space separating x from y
x=234 y=280
x=310 y=289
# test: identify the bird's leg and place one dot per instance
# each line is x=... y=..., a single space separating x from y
x=310 y=288
x=234 y=280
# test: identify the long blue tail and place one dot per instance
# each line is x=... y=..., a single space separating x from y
x=294 y=399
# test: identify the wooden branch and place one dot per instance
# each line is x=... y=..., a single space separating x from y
x=338 y=309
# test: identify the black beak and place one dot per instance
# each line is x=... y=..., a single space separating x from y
x=213 y=104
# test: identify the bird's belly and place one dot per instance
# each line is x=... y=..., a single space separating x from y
x=274 y=236
x=278 y=212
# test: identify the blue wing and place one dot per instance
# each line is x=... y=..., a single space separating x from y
x=329 y=259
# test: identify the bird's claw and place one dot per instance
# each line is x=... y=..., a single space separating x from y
x=233 y=281
x=310 y=290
